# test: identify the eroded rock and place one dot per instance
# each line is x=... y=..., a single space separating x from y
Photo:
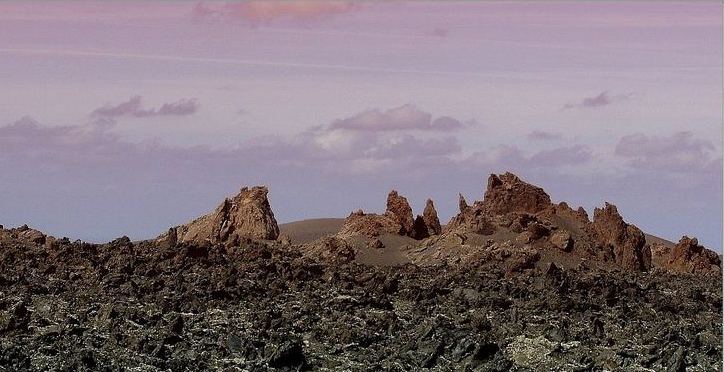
x=371 y=225
x=508 y=193
x=428 y=224
x=247 y=215
x=688 y=256
x=562 y=240
x=626 y=241
x=399 y=209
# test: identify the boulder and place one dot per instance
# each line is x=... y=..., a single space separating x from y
x=247 y=215
x=627 y=242
x=285 y=239
x=31 y=235
x=562 y=240
x=472 y=220
x=331 y=249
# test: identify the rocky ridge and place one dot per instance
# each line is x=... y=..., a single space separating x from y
x=518 y=223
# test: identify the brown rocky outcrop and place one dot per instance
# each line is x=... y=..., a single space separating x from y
x=331 y=249
x=396 y=220
x=32 y=235
x=471 y=220
x=505 y=195
x=508 y=193
x=462 y=203
x=562 y=240
x=429 y=215
x=247 y=215
x=399 y=209
x=627 y=242
x=688 y=256
x=369 y=224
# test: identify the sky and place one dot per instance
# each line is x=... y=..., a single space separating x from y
x=126 y=118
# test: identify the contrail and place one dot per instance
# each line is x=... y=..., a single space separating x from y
x=245 y=62
x=525 y=75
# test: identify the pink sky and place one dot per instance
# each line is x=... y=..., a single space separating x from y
x=129 y=117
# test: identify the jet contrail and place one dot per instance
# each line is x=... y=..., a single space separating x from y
x=526 y=75
x=246 y=62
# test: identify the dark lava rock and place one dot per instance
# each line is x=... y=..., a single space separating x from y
x=262 y=305
x=288 y=354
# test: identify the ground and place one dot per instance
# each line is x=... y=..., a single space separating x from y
x=145 y=306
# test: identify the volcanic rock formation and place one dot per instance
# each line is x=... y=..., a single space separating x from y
x=397 y=220
x=399 y=209
x=627 y=242
x=512 y=206
x=360 y=223
x=247 y=215
x=507 y=193
x=688 y=257
x=427 y=224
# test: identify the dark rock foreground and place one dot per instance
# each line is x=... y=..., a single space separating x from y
x=261 y=305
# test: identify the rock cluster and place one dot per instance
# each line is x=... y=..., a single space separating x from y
x=427 y=224
x=360 y=223
x=29 y=235
x=397 y=220
x=247 y=215
x=506 y=298
x=506 y=194
x=511 y=205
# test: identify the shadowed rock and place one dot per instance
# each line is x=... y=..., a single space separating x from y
x=428 y=224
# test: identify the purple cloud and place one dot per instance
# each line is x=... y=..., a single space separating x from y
x=568 y=155
x=602 y=99
x=510 y=156
x=105 y=180
x=265 y=12
x=134 y=108
x=411 y=147
x=539 y=135
x=679 y=152
x=440 y=32
x=406 y=117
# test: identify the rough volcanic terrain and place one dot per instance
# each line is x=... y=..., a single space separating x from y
x=512 y=282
